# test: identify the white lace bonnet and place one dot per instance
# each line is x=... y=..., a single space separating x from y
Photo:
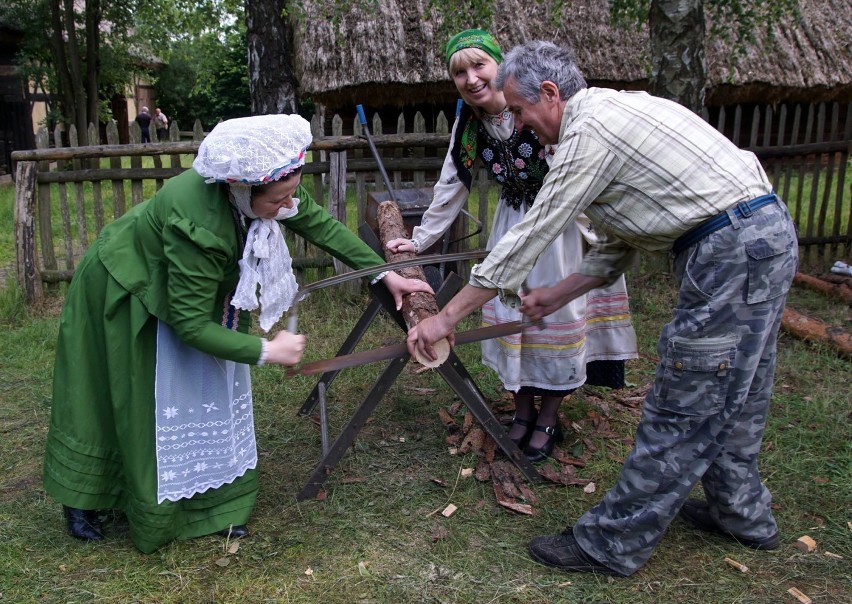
x=253 y=150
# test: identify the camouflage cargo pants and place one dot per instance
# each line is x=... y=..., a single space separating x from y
x=705 y=416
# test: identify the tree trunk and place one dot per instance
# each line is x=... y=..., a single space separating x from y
x=677 y=32
x=270 y=49
x=66 y=90
x=75 y=68
x=93 y=63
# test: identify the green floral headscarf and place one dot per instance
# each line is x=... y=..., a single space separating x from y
x=474 y=38
x=465 y=143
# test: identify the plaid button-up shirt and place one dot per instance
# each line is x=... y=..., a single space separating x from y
x=645 y=171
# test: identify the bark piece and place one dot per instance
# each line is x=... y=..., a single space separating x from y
x=446 y=418
x=473 y=441
x=506 y=480
x=483 y=471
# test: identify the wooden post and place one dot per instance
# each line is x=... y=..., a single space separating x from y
x=360 y=176
x=119 y=205
x=197 y=131
x=419 y=128
x=63 y=207
x=45 y=222
x=29 y=276
x=337 y=205
x=419 y=305
x=97 y=198
x=80 y=206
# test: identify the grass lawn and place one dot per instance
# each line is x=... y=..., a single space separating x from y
x=377 y=536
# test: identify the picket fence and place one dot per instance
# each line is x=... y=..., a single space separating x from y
x=804 y=149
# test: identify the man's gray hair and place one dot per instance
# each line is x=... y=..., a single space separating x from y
x=532 y=63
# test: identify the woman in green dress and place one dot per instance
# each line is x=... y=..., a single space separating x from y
x=152 y=407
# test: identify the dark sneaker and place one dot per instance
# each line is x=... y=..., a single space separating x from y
x=563 y=552
x=697 y=513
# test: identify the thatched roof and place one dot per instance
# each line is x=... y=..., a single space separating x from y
x=390 y=52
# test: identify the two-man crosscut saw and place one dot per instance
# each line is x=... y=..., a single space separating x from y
x=395 y=351
x=292 y=318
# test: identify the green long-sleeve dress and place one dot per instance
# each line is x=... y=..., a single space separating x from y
x=173 y=258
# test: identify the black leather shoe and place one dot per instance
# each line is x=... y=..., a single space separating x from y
x=697 y=513
x=528 y=425
x=83 y=524
x=562 y=551
x=554 y=434
x=235 y=531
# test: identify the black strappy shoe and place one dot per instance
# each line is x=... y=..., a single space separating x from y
x=554 y=434
x=528 y=425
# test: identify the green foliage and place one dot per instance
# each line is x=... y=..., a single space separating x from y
x=164 y=24
x=206 y=78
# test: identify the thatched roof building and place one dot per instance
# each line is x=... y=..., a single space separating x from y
x=390 y=52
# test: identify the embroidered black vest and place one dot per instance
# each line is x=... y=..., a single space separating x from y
x=518 y=164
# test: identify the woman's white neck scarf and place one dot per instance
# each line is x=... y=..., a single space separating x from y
x=266 y=263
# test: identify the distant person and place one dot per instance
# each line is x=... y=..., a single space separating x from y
x=161 y=123
x=144 y=121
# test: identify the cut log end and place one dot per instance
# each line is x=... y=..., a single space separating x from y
x=442 y=349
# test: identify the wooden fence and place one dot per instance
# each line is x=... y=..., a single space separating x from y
x=805 y=151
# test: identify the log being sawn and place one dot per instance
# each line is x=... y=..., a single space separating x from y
x=417 y=306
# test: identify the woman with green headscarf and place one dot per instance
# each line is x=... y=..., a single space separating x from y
x=585 y=341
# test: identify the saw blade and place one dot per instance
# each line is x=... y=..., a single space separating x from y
x=396 y=351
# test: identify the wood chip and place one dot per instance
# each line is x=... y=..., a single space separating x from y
x=449 y=511
x=466 y=472
x=589 y=488
x=833 y=555
x=799 y=596
x=805 y=544
x=739 y=566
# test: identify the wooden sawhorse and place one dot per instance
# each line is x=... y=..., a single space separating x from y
x=453 y=372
